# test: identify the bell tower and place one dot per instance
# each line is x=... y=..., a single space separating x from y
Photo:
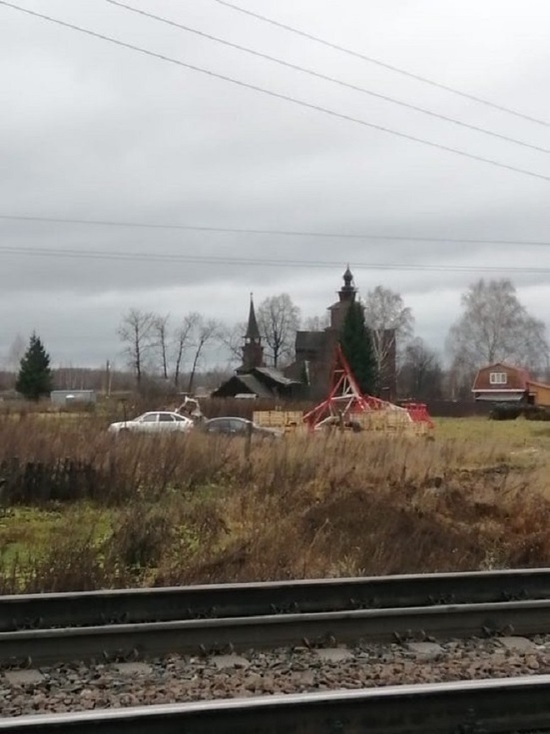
x=346 y=296
x=253 y=351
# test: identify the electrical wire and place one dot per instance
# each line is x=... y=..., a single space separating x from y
x=326 y=77
x=260 y=262
x=383 y=64
x=277 y=95
x=273 y=232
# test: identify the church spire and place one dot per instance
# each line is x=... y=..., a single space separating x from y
x=252 y=331
x=253 y=352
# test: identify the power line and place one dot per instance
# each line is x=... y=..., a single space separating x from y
x=383 y=64
x=277 y=95
x=326 y=77
x=273 y=232
x=260 y=262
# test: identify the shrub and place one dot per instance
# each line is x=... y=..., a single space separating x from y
x=139 y=536
x=537 y=413
x=505 y=412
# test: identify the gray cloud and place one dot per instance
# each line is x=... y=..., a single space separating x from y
x=88 y=130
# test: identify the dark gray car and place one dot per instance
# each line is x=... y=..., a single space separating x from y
x=230 y=426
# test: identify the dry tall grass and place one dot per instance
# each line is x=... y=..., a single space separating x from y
x=192 y=509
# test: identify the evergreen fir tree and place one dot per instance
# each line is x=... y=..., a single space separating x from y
x=35 y=377
x=356 y=343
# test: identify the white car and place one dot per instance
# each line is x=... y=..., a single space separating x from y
x=154 y=422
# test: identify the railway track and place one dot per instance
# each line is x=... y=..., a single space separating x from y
x=507 y=705
x=135 y=641
x=34 y=611
x=194 y=620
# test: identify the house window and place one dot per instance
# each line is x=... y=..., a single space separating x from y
x=498 y=378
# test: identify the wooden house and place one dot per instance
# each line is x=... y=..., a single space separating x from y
x=539 y=393
x=501 y=382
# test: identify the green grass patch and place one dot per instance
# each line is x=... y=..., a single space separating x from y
x=30 y=532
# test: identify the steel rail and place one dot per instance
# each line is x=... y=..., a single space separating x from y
x=134 y=641
x=506 y=705
x=237 y=600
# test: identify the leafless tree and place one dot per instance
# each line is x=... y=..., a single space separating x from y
x=182 y=340
x=136 y=333
x=390 y=321
x=203 y=333
x=421 y=375
x=496 y=327
x=316 y=323
x=232 y=339
x=160 y=331
x=458 y=380
x=278 y=320
x=68 y=377
x=15 y=353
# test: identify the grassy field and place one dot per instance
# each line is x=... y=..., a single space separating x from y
x=519 y=431
x=80 y=509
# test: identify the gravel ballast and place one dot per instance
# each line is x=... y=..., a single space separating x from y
x=176 y=679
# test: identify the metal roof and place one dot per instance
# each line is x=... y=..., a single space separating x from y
x=254 y=385
x=275 y=375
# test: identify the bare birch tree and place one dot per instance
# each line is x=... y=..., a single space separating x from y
x=278 y=320
x=496 y=327
x=160 y=330
x=385 y=312
x=136 y=333
x=203 y=333
x=182 y=340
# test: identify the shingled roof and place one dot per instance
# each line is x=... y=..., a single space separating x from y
x=252 y=330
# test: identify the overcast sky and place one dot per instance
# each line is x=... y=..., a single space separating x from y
x=89 y=130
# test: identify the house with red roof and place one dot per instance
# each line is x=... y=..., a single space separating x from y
x=505 y=383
